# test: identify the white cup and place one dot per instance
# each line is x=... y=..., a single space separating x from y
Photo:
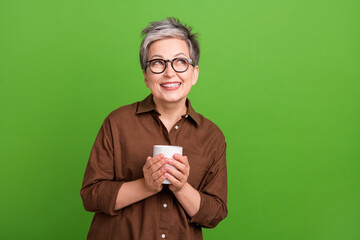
x=168 y=152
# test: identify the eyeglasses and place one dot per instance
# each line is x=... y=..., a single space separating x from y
x=179 y=65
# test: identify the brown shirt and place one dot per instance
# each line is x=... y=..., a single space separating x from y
x=122 y=145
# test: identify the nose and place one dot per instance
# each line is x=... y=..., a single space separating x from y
x=169 y=71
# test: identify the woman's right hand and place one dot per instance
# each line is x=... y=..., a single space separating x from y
x=154 y=173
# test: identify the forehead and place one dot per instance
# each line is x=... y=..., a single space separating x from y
x=168 y=47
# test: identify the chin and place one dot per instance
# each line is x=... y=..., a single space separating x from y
x=171 y=99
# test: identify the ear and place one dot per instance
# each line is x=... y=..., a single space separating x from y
x=145 y=78
x=195 y=75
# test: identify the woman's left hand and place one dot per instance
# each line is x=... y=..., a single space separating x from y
x=178 y=177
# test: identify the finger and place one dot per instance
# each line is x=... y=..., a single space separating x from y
x=158 y=173
x=175 y=173
x=173 y=180
x=180 y=166
x=159 y=156
x=160 y=180
x=158 y=165
x=146 y=165
x=180 y=158
x=154 y=160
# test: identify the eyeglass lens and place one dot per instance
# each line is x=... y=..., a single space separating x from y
x=178 y=64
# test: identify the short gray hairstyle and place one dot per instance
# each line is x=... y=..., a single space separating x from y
x=168 y=28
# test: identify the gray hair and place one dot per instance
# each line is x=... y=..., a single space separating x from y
x=168 y=28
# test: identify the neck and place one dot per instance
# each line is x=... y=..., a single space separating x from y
x=171 y=110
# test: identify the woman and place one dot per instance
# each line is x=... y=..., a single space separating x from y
x=123 y=183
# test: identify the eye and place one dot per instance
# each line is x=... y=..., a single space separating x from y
x=181 y=61
x=157 y=63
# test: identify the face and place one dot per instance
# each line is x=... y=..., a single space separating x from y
x=170 y=86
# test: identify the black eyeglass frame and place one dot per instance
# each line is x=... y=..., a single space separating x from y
x=189 y=61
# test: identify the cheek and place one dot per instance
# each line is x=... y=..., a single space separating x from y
x=190 y=79
x=151 y=80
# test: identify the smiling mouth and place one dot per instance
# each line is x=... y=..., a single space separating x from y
x=171 y=86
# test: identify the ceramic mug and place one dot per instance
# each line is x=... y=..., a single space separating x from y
x=168 y=151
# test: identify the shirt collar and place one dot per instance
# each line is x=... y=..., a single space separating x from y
x=148 y=105
x=191 y=112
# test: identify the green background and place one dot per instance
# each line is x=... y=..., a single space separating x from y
x=280 y=78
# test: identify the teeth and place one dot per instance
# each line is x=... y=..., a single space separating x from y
x=171 y=85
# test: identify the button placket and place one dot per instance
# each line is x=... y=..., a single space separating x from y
x=176 y=129
x=165 y=216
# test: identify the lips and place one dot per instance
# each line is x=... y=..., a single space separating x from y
x=170 y=85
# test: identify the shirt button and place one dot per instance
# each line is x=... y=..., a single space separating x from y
x=165 y=205
x=163 y=235
x=176 y=127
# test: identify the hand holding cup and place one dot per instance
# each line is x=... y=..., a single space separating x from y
x=178 y=172
x=168 y=151
x=154 y=172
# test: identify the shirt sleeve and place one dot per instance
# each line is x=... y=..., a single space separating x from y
x=213 y=193
x=99 y=189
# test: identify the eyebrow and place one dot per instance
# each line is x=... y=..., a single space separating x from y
x=160 y=56
x=180 y=54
